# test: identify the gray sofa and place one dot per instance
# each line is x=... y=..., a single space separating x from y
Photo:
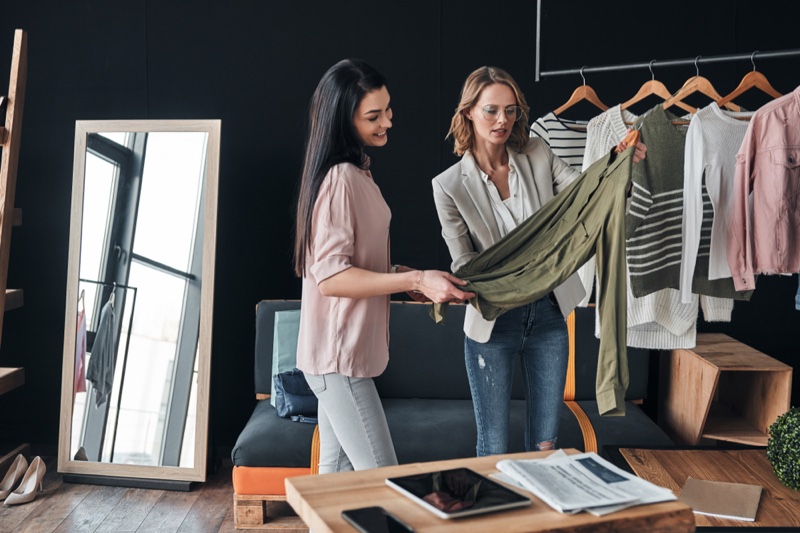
x=426 y=397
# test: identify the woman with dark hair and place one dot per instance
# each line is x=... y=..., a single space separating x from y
x=503 y=177
x=342 y=254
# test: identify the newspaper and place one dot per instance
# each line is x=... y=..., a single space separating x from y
x=582 y=482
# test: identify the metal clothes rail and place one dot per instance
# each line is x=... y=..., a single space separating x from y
x=114 y=286
x=671 y=62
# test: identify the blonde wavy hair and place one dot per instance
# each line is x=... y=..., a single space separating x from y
x=461 y=126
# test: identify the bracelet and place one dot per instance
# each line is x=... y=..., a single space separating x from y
x=394 y=269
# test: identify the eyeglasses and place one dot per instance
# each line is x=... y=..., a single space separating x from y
x=513 y=112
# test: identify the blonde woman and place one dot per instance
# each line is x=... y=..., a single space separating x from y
x=503 y=177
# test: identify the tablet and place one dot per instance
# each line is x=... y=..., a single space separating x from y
x=457 y=492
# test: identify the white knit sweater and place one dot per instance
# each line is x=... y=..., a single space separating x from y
x=712 y=141
x=603 y=133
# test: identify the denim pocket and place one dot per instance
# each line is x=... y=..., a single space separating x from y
x=786 y=165
x=316 y=383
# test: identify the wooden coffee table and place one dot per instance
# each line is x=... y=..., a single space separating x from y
x=320 y=500
x=670 y=467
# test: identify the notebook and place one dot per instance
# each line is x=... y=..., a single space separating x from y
x=735 y=501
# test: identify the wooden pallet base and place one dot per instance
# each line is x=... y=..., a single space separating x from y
x=266 y=513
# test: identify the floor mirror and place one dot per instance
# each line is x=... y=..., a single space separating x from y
x=139 y=299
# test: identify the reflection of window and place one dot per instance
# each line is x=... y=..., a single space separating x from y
x=100 y=183
x=168 y=204
x=148 y=235
x=100 y=186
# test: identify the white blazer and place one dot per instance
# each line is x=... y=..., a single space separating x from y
x=469 y=225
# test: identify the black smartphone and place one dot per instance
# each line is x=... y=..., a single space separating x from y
x=375 y=520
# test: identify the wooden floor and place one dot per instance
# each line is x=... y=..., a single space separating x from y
x=71 y=508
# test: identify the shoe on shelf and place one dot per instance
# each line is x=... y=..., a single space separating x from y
x=14 y=473
x=31 y=481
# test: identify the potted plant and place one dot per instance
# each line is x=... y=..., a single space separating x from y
x=783 y=448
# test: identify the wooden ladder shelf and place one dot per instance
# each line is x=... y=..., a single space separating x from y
x=10 y=136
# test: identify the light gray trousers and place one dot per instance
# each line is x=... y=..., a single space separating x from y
x=353 y=432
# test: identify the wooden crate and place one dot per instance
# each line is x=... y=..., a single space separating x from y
x=722 y=390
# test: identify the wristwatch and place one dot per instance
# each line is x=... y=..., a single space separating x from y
x=394 y=269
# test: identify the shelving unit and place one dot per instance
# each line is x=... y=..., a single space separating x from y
x=10 y=136
x=722 y=390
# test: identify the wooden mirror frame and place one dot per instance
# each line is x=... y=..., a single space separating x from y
x=111 y=471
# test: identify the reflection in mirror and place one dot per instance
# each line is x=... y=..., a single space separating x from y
x=139 y=299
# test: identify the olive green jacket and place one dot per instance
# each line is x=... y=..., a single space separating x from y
x=469 y=225
x=586 y=219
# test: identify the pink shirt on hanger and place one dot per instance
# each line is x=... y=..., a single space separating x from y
x=350 y=227
x=764 y=231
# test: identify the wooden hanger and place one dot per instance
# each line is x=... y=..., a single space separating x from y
x=752 y=79
x=583 y=92
x=656 y=88
x=697 y=84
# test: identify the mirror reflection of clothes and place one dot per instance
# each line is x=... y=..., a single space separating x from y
x=79 y=383
x=100 y=371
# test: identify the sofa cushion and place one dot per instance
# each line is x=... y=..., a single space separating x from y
x=265 y=331
x=430 y=430
x=269 y=440
x=445 y=429
x=634 y=429
x=284 y=344
x=426 y=360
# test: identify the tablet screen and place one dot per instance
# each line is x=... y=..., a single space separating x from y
x=457 y=492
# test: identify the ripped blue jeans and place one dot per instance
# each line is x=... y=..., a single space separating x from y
x=537 y=333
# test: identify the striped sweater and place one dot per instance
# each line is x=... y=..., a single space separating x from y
x=566 y=138
x=653 y=224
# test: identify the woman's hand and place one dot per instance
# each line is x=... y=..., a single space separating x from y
x=639 y=154
x=440 y=287
x=422 y=285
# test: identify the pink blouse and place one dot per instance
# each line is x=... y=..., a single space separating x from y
x=350 y=227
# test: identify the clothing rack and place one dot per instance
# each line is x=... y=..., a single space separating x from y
x=628 y=66
x=114 y=287
x=667 y=63
x=106 y=284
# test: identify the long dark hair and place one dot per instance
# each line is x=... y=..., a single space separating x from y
x=331 y=139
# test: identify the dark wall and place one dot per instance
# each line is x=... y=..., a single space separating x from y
x=254 y=65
